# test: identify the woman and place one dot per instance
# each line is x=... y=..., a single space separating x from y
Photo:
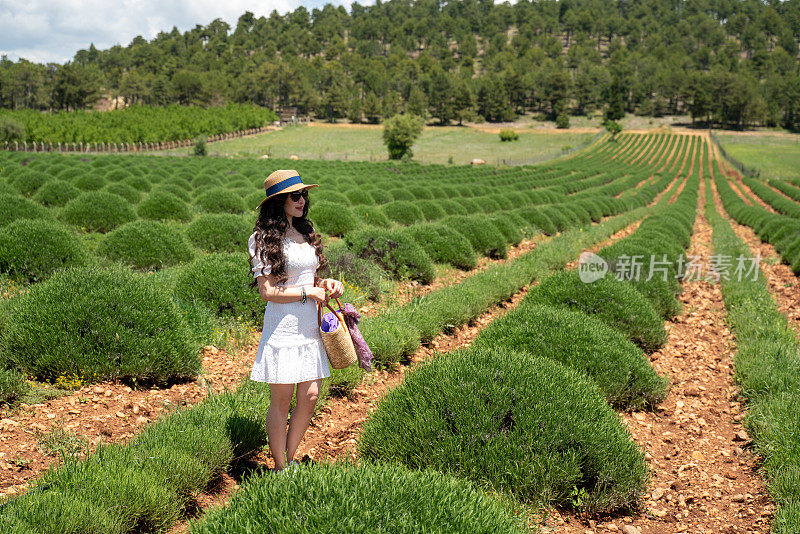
x=286 y=254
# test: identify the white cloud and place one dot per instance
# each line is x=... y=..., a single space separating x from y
x=52 y=31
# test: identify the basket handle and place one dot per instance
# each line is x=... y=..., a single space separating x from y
x=336 y=313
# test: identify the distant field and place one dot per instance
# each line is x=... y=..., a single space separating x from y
x=437 y=144
x=775 y=156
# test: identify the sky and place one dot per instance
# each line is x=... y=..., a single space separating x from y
x=46 y=31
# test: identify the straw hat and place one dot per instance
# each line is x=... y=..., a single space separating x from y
x=283 y=181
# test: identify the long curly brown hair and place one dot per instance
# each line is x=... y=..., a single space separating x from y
x=270 y=229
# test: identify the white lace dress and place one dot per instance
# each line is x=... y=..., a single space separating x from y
x=291 y=348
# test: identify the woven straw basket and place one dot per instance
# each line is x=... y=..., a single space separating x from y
x=338 y=344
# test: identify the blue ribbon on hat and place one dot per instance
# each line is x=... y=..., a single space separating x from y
x=294 y=180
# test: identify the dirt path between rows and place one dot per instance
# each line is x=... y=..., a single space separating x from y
x=704 y=479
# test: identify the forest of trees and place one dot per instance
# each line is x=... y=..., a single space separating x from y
x=732 y=63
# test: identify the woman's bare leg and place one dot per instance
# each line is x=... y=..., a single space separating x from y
x=279 y=402
x=307 y=394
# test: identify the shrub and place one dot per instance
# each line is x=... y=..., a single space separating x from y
x=617 y=253
x=103 y=162
x=767 y=367
x=559 y=218
x=451 y=207
x=221 y=282
x=13 y=207
x=42 y=164
x=452 y=191
x=612 y=301
x=28 y=182
x=485 y=239
x=164 y=206
x=140 y=183
x=12 y=386
x=359 y=273
x=175 y=189
x=420 y=192
x=471 y=205
x=252 y=200
x=583 y=343
x=381 y=196
x=333 y=219
x=11 y=130
x=98 y=211
x=593 y=208
x=32 y=249
x=6 y=189
x=506 y=227
x=390 y=337
x=401 y=193
x=89 y=182
x=521 y=225
x=117 y=174
x=330 y=196
x=774 y=425
x=659 y=243
x=582 y=215
x=159 y=176
x=510 y=422
x=437 y=192
x=372 y=216
x=56 y=193
x=508 y=135
x=221 y=232
x=145 y=245
x=377 y=498
x=403 y=212
x=237 y=181
x=200 y=146
x=394 y=251
x=444 y=244
x=65 y=325
x=562 y=121
x=431 y=209
x=125 y=191
x=661 y=295
x=489 y=205
x=220 y=200
x=358 y=196
x=203 y=181
x=183 y=183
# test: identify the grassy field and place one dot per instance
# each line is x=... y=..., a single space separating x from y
x=437 y=144
x=776 y=156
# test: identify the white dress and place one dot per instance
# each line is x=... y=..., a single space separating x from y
x=291 y=348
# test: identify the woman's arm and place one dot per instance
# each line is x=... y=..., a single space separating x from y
x=280 y=295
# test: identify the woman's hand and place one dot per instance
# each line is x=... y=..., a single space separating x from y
x=317 y=294
x=335 y=287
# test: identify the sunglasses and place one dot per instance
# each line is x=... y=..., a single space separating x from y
x=297 y=195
